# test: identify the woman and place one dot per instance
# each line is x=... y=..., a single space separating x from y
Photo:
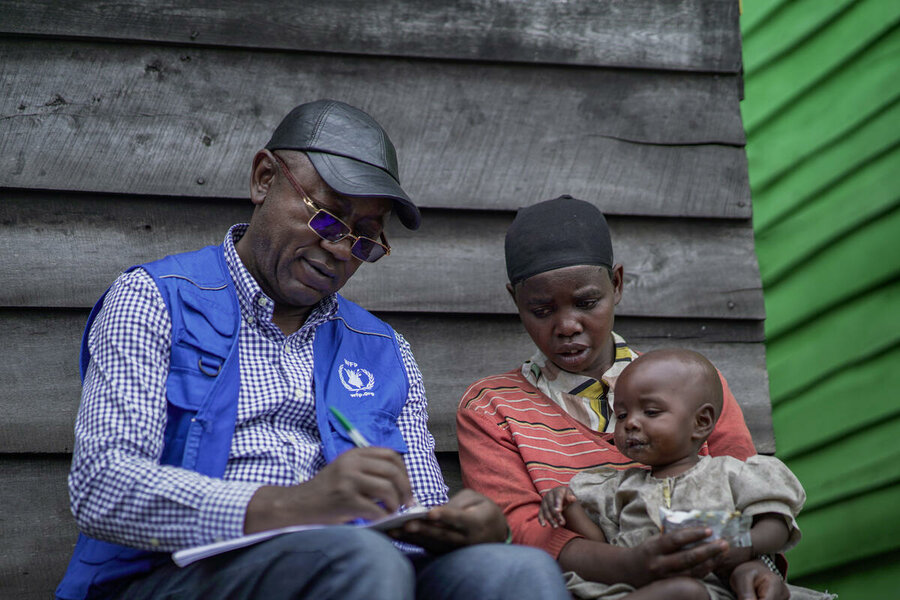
x=531 y=429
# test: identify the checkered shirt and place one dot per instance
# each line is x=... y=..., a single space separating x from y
x=119 y=491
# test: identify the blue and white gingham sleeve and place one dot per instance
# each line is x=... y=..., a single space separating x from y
x=421 y=464
x=119 y=492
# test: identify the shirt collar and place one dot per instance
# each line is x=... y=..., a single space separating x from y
x=254 y=302
x=585 y=399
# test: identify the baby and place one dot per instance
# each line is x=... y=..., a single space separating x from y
x=666 y=405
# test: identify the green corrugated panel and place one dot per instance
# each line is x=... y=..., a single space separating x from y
x=809 y=179
x=841 y=268
x=835 y=340
x=861 y=461
x=863 y=86
x=782 y=81
x=874 y=577
x=822 y=112
x=853 y=530
x=759 y=13
x=786 y=25
x=836 y=213
x=820 y=415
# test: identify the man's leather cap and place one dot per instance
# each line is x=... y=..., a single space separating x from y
x=349 y=150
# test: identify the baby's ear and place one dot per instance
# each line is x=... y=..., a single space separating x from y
x=704 y=421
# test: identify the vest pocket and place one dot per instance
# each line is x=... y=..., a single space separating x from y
x=97 y=552
x=378 y=426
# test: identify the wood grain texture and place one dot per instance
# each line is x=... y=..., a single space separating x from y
x=64 y=250
x=186 y=122
x=690 y=35
x=40 y=407
x=36 y=527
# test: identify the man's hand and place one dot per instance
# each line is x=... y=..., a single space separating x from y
x=363 y=482
x=754 y=581
x=665 y=556
x=468 y=518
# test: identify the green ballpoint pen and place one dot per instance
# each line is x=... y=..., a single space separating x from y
x=359 y=439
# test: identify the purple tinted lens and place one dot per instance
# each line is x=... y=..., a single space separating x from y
x=367 y=250
x=328 y=226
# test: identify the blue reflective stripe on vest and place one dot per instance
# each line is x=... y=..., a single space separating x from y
x=358 y=368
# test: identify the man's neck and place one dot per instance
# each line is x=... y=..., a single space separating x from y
x=290 y=319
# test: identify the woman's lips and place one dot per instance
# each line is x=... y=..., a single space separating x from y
x=570 y=355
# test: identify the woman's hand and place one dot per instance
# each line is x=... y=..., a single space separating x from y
x=731 y=559
x=665 y=556
x=754 y=581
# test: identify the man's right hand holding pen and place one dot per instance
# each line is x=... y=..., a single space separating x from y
x=368 y=483
x=372 y=483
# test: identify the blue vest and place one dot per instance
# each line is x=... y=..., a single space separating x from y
x=358 y=369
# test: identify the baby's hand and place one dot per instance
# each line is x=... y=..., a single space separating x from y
x=552 y=506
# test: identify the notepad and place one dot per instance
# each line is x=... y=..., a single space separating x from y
x=183 y=558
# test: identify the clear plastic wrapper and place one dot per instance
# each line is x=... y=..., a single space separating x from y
x=725 y=524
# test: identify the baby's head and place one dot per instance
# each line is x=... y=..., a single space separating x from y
x=666 y=405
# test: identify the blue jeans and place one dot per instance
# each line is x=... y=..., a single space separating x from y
x=349 y=563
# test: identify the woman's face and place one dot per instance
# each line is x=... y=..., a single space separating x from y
x=569 y=313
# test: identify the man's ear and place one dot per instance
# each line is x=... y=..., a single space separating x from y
x=704 y=421
x=618 y=281
x=261 y=175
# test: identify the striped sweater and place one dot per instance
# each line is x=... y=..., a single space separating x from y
x=515 y=444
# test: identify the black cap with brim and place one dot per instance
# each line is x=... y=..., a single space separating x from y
x=354 y=178
x=350 y=151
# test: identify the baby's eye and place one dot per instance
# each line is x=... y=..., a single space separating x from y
x=621 y=416
x=587 y=304
x=652 y=412
x=540 y=313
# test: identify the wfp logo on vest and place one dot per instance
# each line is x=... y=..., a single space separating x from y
x=357 y=380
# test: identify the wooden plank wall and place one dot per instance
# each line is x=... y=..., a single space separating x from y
x=827 y=220
x=127 y=129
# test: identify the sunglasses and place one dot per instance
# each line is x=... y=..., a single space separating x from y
x=332 y=229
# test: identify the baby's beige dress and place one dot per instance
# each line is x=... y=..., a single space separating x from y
x=625 y=504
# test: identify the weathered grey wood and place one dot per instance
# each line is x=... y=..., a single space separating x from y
x=65 y=250
x=186 y=122
x=41 y=384
x=41 y=388
x=449 y=462
x=36 y=527
x=698 y=35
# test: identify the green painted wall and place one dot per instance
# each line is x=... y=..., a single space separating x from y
x=822 y=115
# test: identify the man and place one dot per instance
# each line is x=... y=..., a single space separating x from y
x=209 y=383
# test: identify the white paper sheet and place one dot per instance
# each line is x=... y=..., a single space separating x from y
x=183 y=558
